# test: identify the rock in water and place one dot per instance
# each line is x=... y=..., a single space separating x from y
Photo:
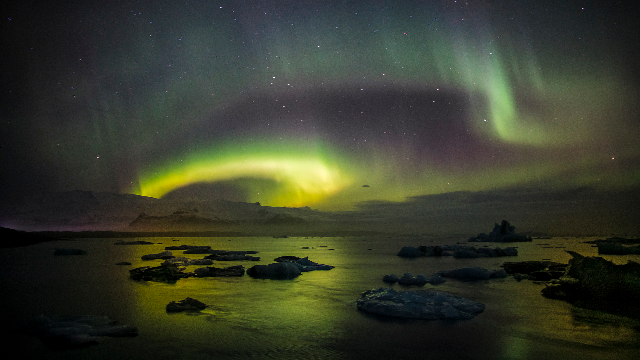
x=212 y=271
x=163 y=255
x=393 y=278
x=168 y=274
x=277 y=271
x=501 y=233
x=410 y=252
x=188 y=304
x=473 y=273
x=535 y=270
x=183 y=261
x=304 y=264
x=408 y=279
x=418 y=304
x=436 y=279
x=458 y=251
x=64 y=332
x=420 y=280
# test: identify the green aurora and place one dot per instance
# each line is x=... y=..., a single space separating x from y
x=154 y=99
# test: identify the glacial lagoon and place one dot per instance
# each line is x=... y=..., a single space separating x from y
x=313 y=316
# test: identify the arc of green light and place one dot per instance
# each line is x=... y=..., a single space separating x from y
x=302 y=181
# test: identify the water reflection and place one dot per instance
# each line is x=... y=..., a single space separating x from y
x=312 y=316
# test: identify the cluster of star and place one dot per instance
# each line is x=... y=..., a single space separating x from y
x=409 y=98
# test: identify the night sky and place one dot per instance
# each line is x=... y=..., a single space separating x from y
x=318 y=103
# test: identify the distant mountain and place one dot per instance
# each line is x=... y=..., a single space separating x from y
x=99 y=211
x=558 y=212
x=181 y=219
x=15 y=238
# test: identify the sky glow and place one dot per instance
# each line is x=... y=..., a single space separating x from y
x=300 y=105
x=302 y=179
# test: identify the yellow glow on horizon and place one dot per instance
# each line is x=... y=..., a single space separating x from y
x=301 y=177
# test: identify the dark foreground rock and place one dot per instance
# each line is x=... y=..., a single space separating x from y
x=277 y=271
x=501 y=233
x=65 y=332
x=62 y=252
x=212 y=271
x=596 y=283
x=457 y=251
x=169 y=274
x=187 y=304
x=304 y=264
x=418 y=304
x=473 y=273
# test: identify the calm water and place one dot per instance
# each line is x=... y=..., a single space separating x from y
x=311 y=317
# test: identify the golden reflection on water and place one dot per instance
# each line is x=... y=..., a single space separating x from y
x=297 y=307
x=313 y=315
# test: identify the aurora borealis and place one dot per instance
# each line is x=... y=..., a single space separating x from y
x=302 y=104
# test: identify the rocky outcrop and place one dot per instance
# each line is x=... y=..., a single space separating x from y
x=596 y=283
x=64 y=332
x=63 y=252
x=457 y=251
x=501 y=233
x=304 y=264
x=473 y=273
x=418 y=304
x=187 y=304
x=212 y=271
x=163 y=256
x=276 y=271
